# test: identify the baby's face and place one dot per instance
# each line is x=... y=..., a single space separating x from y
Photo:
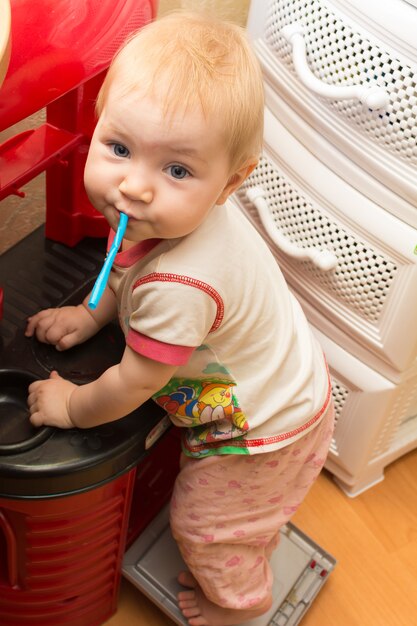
x=165 y=172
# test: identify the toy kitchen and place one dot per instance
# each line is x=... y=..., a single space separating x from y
x=334 y=196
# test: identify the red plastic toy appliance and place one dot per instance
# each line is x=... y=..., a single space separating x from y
x=59 y=52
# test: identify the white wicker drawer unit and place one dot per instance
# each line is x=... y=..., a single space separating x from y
x=314 y=51
x=303 y=209
x=335 y=198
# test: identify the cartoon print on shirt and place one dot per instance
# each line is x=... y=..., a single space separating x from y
x=211 y=402
x=216 y=403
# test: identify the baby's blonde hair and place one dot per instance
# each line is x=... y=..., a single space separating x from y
x=188 y=59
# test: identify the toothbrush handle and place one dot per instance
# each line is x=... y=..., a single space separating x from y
x=103 y=277
x=101 y=280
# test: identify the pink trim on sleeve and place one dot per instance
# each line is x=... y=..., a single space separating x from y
x=157 y=350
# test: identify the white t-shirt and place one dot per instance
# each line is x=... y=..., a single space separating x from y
x=251 y=376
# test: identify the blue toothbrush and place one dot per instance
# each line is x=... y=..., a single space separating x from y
x=103 y=277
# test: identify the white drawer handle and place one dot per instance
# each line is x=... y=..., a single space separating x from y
x=323 y=259
x=373 y=97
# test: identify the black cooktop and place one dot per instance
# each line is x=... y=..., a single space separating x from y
x=36 y=274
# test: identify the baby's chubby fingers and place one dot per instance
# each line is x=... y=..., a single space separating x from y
x=50 y=326
x=31 y=398
x=39 y=324
x=48 y=402
x=35 y=417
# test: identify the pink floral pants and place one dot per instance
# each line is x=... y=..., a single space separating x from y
x=226 y=512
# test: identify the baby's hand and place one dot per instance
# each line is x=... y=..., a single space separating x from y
x=48 y=402
x=64 y=327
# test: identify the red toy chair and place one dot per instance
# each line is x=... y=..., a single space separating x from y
x=59 y=53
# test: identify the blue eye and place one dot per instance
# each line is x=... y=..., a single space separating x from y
x=178 y=171
x=120 y=150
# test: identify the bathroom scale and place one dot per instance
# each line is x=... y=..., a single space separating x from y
x=301 y=568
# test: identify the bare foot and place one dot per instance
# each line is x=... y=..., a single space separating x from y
x=200 y=611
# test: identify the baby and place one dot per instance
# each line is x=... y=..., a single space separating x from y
x=212 y=332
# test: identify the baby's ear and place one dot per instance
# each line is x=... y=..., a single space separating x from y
x=237 y=179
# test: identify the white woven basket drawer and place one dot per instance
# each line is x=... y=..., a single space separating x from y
x=370 y=44
x=376 y=421
x=371 y=293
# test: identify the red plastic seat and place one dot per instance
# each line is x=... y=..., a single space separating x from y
x=59 y=44
x=60 y=51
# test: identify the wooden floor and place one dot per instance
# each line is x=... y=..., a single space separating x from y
x=374 y=539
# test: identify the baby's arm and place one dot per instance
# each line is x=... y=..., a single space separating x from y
x=68 y=326
x=118 y=391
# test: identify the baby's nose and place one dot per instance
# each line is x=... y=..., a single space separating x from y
x=136 y=189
